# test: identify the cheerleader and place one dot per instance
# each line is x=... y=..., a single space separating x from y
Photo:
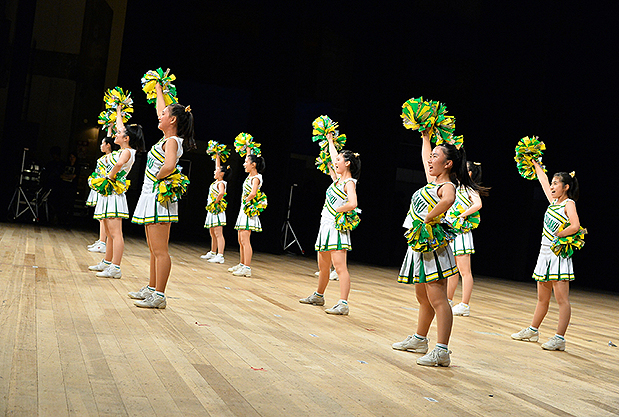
x=445 y=166
x=462 y=246
x=254 y=166
x=107 y=147
x=332 y=244
x=553 y=273
x=215 y=214
x=176 y=123
x=111 y=209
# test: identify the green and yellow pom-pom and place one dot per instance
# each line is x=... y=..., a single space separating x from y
x=114 y=98
x=462 y=225
x=171 y=188
x=348 y=220
x=106 y=186
x=322 y=126
x=154 y=77
x=529 y=149
x=216 y=208
x=565 y=246
x=418 y=114
x=429 y=237
x=256 y=205
x=431 y=116
x=322 y=162
x=244 y=144
x=213 y=148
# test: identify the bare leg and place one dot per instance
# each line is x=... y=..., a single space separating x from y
x=115 y=232
x=219 y=237
x=338 y=257
x=464 y=265
x=159 y=235
x=437 y=295
x=102 y=234
x=426 y=312
x=109 y=247
x=246 y=249
x=562 y=292
x=452 y=283
x=152 y=280
x=324 y=268
x=213 y=240
x=544 y=292
x=241 y=252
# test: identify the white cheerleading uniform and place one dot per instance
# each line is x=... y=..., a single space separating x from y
x=423 y=267
x=115 y=205
x=551 y=267
x=244 y=222
x=215 y=220
x=149 y=209
x=329 y=238
x=93 y=196
x=463 y=243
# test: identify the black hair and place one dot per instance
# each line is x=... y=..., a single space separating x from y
x=136 y=137
x=110 y=141
x=225 y=169
x=184 y=124
x=567 y=179
x=475 y=169
x=258 y=160
x=459 y=173
x=355 y=162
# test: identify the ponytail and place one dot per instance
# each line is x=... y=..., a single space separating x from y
x=184 y=124
x=459 y=171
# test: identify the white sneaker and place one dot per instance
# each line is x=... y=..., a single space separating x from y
x=243 y=271
x=217 y=259
x=208 y=255
x=412 y=344
x=461 y=309
x=99 y=247
x=317 y=273
x=234 y=268
x=140 y=294
x=526 y=335
x=100 y=266
x=339 y=308
x=152 y=301
x=333 y=276
x=437 y=357
x=313 y=300
x=93 y=244
x=112 y=271
x=554 y=343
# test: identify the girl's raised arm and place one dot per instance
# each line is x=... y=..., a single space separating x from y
x=333 y=155
x=119 y=120
x=426 y=150
x=543 y=180
x=160 y=99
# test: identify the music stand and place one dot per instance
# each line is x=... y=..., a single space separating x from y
x=287 y=227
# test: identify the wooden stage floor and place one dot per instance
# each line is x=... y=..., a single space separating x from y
x=74 y=344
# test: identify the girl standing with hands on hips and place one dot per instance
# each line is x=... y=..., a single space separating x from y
x=553 y=273
x=107 y=147
x=176 y=123
x=333 y=244
x=468 y=203
x=245 y=224
x=112 y=209
x=445 y=168
x=216 y=212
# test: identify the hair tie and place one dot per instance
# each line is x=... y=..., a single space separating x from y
x=228 y=167
x=188 y=109
x=477 y=163
x=356 y=154
x=573 y=174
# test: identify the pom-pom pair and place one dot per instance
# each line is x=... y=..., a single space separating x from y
x=565 y=246
x=462 y=225
x=431 y=116
x=347 y=220
x=322 y=126
x=107 y=186
x=216 y=208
